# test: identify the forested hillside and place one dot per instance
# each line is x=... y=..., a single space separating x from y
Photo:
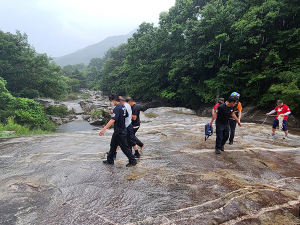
x=93 y=51
x=203 y=49
x=200 y=50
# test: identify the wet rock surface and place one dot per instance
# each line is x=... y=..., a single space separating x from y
x=60 y=178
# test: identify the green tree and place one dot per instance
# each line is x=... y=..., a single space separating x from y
x=27 y=72
x=113 y=74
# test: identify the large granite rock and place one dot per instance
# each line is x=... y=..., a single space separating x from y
x=46 y=102
x=60 y=178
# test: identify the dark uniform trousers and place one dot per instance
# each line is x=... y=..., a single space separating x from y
x=222 y=132
x=232 y=125
x=120 y=139
x=137 y=141
x=130 y=136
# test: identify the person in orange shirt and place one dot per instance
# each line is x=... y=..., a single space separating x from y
x=237 y=109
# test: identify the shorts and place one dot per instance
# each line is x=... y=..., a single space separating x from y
x=276 y=123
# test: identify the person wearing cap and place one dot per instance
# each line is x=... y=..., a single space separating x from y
x=282 y=113
x=237 y=109
x=220 y=101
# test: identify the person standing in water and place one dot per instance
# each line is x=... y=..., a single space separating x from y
x=282 y=113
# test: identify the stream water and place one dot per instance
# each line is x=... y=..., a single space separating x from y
x=75 y=125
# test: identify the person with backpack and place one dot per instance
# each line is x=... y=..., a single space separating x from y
x=282 y=114
x=237 y=109
x=222 y=116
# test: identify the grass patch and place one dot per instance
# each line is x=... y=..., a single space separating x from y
x=97 y=114
x=71 y=96
x=151 y=115
x=57 y=110
x=229 y=157
x=86 y=95
x=19 y=130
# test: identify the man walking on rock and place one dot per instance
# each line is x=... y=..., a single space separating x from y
x=282 y=114
x=129 y=126
x=223 y=114
x=119 y=137
x=135 y=123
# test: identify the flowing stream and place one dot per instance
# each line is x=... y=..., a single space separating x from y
x=75 y=126
x=80 y=125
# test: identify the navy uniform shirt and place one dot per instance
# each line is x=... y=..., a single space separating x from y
x=136 y=112
x=224 y=114
x=119 y=115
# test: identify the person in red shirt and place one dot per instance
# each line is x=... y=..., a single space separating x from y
x=282 y=112
x=221 y=101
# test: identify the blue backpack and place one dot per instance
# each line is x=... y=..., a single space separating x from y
x=208 y=131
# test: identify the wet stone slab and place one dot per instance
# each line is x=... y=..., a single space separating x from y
x=60 y=178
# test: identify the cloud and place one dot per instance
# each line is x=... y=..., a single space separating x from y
x=59 y=27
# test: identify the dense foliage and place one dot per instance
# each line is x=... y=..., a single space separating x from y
x=57 y=110
x=24 y=111
x=28 y=74
x=203 y=49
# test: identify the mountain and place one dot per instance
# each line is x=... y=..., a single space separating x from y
x=92 y=51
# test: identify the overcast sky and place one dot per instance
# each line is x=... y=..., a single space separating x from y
x=60 y=27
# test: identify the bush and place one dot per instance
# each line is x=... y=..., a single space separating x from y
x=26 y=112
x=72 y=96
x=6 y=114
x=19 y=130
x=29 y=93
x=29 y=112
x=86 y=95
x=57 y=110
x=97 y=114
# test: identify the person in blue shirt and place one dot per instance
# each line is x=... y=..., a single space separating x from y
x=119 y=137
x=130 y=135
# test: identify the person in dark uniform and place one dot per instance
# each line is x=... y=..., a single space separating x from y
x=135 y=123
x=223 y=114
x=119 y=137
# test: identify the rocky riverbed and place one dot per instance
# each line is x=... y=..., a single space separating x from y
x=60 y=178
